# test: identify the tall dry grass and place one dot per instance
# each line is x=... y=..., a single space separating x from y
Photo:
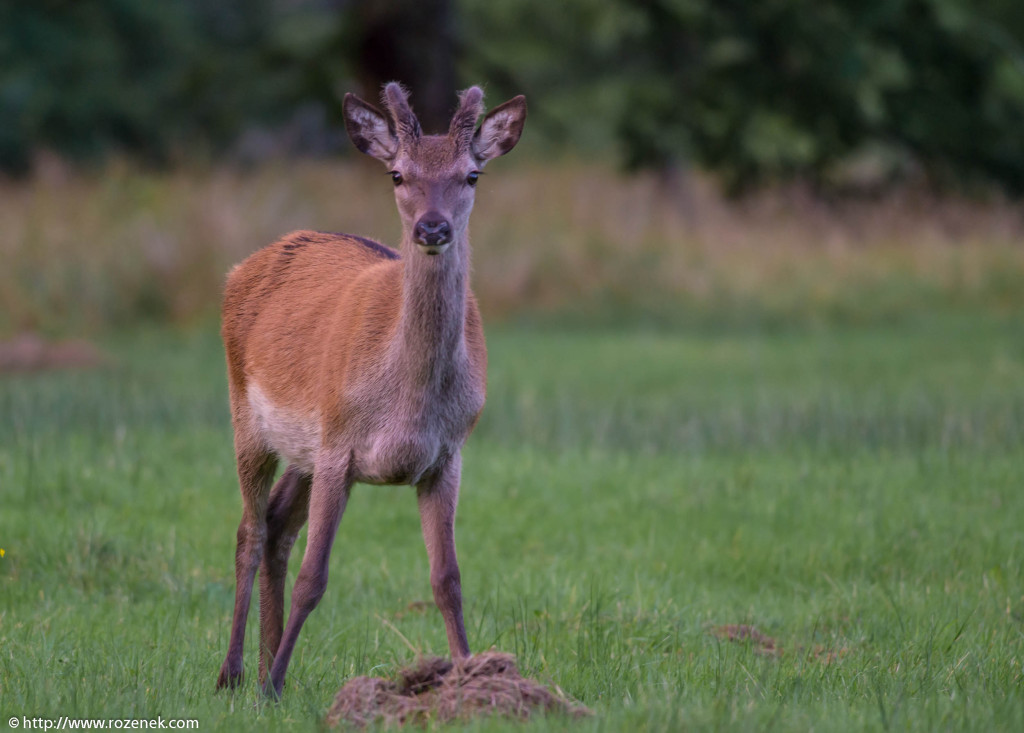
x=86 y=252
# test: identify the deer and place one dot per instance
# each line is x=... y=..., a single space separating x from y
x=354 y=362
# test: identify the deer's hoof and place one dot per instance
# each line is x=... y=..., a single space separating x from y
x=229 y=678
x=271 y=692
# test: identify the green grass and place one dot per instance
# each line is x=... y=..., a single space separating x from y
x=852 y=491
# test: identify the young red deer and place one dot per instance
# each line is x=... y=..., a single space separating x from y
x=355 y=363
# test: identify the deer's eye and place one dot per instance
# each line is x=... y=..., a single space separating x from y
x=472 y=178
x=396 y=177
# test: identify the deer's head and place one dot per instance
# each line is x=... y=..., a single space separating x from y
x=434 y=175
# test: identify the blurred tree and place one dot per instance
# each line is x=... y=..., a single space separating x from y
x=774 y=89
x=754 y=91
x=86 y=77
x=411 y=41
x=153 y=79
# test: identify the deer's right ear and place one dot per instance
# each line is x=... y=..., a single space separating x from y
x=371 y=131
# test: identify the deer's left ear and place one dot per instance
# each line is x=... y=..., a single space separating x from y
x=500 y=130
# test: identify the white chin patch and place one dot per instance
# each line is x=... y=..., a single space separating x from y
x=433 y=249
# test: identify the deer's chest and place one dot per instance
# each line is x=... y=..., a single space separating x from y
x=405 y=437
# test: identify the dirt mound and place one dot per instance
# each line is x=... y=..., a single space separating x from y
x=438 y=690
x=29 y=352
x=768 y=647
x=763 y=644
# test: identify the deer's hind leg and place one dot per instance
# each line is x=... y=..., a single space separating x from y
x=329 y=492
x=286 y=513
x=256 y=466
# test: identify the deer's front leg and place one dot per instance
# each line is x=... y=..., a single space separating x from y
x=438 y=497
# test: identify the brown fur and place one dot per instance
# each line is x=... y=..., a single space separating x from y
x=356 y=364
x=314 y=288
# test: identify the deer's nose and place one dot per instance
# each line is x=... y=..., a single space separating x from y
x=432 y=229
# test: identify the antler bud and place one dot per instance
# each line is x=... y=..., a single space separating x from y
x=463 y=124
x=396 y=101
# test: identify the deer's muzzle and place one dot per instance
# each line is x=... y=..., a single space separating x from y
x=432 y=231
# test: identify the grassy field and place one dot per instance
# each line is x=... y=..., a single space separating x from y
x=851 y=490
x=784 y=414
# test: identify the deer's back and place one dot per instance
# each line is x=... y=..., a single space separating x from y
x=285 y=304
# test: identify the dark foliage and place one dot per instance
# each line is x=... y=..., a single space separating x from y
x=755 y=91
x=775 y=89
x=84 y=78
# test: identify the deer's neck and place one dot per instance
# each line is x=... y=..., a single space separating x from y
x=433 y=314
